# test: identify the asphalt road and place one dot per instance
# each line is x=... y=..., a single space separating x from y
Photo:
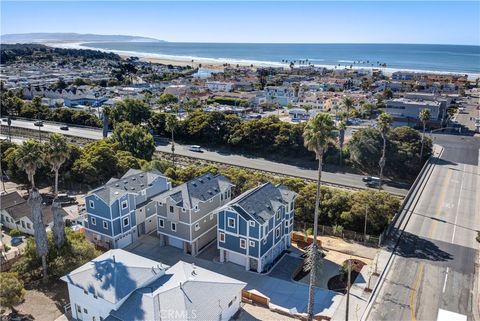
x=347 y=179
x=434 y=264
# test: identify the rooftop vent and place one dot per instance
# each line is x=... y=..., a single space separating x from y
x=134 y=178
x=194 y=184
x=116 y=193
x=201 y=180
x=141 y=175
x=125 y=182
x=133 y=188
x=149 y=184
x=117 y=185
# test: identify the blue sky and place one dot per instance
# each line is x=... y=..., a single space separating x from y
x=438 y=22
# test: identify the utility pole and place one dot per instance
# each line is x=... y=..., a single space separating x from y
x=348 y=288
x=365 y=227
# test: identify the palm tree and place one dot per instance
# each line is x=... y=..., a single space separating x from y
x=29 y=158
x=348 y=104
x=424 y=117
x=171 y=125
x=384 y=121
x=342 y=126
x=317 y=134
x=56 y=153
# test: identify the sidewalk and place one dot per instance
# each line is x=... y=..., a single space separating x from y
x=359 y=298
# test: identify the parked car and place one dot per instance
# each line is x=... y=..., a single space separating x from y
x=38 y=123
x=195 y=148
x=64 y=127
x=16 y=241
x=374 y=182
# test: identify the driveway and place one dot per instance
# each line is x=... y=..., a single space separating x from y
x=287 y=294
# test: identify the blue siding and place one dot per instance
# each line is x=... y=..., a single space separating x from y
x=99 y=209
x=242 y=225
x=253 y=250
x=268 y=245
x=116 y=227
x=232 y=243
x=221 y=220
x=229 y=214
x=253 y=230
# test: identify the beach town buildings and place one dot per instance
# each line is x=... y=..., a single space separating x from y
x=405 y=108
x=255 y=228
x=186 y=214
x=219 y=86
x=119 y=285
x=122 y=210
x=16 y=213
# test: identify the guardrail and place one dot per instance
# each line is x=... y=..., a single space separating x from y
x=54 y=123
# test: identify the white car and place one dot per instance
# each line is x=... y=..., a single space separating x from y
x=195 y=148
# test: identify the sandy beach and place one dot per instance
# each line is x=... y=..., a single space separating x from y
x=211 y=63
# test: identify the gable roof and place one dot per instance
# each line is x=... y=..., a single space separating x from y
x=182 y=289
x=25 y=210
x=11 y=199
x=262 y=202
x=199 y=189
x=114 y=274
x=132 y=181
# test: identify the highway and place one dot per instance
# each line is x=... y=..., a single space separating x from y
x=346 y=179
x=433 y=266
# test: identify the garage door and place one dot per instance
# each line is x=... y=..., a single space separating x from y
x=236 y=258
x=175 y=242
x=124 y=241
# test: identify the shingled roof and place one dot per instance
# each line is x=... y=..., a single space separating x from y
x=262 y=202
x=199 y=189
x=11 y=199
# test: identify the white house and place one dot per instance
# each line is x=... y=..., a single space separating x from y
x=15 y=213
x=219 y=86
x=119 y=285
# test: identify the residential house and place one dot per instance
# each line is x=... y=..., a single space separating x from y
x=403 y=108
x=186 y=217
x=219 y=86
x=122 y=210
x=255 y=228
x=119 y=285
x=16 y=213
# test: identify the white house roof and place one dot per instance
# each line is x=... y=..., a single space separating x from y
x=114 y=274
x=185 y=288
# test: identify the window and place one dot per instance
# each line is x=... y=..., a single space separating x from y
x=221 y=197
x=126 y=221
x=197 y=226
x=29 y=226
x=161 y=222
x=265 y=230
x=124 y=204
x=211 y=216
x=291 y=206
x=243 y=244
x=278 y=215
x=91 y=203
x=23 y=224
x=222 y=237
x=85 y=311
x=231 y=222
x=228 y=193
x=252 y=223
x=251 y=243
x=105 y=225
x=171 y=209
x=286 y=223
x=174 y=226
x=277 y=232
x=93 y=220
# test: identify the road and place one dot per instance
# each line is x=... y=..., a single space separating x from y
x=346 y=179
x=434 y=264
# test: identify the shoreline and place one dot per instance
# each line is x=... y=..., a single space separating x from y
x=214 y=63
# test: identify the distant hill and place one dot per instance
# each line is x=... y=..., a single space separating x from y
x=70 y=37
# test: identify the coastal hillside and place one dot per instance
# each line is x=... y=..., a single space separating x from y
x=69 y=37
x=37 y=52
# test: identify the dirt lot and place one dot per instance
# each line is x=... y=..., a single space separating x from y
x=45 y=302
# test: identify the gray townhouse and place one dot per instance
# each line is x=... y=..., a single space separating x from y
x=186 y=214
x=122 y=210
x=255 y=228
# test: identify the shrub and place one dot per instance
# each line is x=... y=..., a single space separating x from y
x=14 y=232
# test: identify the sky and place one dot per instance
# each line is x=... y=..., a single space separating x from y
x=434 y=22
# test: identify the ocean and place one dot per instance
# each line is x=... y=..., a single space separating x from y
x=437 y=58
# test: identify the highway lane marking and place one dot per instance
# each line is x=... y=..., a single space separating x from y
x=445 y=282
x=458 y=204
x=441 y=201
x=413 y=295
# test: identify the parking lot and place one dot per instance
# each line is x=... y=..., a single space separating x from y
x=282 y=292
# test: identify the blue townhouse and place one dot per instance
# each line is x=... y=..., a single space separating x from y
x=122 y=210
x=255 y=228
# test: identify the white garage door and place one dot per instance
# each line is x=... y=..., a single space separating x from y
x=124 y=241
x=236 y=258
x=175 y=242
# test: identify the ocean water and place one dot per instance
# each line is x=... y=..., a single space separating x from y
x=440 y=58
